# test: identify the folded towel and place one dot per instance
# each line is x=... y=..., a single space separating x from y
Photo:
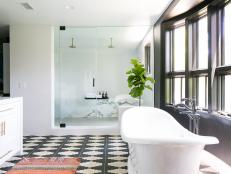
x=126 y=99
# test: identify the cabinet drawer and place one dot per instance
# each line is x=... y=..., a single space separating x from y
x=6 y=148
x=8 y=124
x=10 y=128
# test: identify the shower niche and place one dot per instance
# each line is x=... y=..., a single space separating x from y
x=90 y=73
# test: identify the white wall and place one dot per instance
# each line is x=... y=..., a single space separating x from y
x=148 y=96
x=113 y=65
x=31 y=57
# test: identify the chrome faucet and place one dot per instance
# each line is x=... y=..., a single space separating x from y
x=192 y=103
x=190 y=111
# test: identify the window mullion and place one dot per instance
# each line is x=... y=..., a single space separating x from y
x=219 y=95
x=172 y=51
x=206 y=90
x=197 y=90
x=222 y=50
x=222 y=92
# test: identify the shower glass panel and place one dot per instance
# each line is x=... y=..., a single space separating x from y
x=90 y=67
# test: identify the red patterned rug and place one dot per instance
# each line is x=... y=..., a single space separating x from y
x=53 y=165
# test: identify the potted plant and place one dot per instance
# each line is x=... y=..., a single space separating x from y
x=138 y=79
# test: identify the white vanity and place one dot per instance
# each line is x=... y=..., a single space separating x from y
x=11 y=135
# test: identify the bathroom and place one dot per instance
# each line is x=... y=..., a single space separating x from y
x=69 y=93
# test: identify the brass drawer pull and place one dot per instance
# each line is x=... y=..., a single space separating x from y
x=2 y=128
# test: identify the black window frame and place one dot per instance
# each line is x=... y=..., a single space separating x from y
x=191 y=72
x=221 y=69
x=216 y=71
x=193 y=57
x=171 y=74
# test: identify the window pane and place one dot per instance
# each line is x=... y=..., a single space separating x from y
x=227 y=34
x=179 y=89
x=203 y=43
x=228 y=93
x=168 y=91
x=167 y=52
x=179 y=49
x=202 y=92
x=183 y=88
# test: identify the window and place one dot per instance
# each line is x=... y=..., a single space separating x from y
x=198 y=68
x=227 y=94
x=227 y=35
x=202 y=58
x=168 y=90
x=198 y=62
x=147 y=52
x=179 y=49
x=200 y=91
x=175 y=55
x=223 y=69
x=179 y=92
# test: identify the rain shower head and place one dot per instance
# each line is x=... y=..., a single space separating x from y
x=72 y=43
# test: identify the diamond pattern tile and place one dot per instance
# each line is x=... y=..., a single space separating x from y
x=98 y=154
x=95 y=152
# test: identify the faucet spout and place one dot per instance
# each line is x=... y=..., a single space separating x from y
x=192 y=102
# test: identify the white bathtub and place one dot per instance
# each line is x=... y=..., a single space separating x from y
x=158 y=144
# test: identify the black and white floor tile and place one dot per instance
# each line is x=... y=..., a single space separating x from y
x=98 y=154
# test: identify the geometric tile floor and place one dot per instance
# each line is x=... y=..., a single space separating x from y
x=104 y=154
x=98 y=154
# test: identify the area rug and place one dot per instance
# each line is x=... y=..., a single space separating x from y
x=53 y=165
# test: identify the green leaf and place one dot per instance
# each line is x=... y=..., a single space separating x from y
x=135 y=92
x=148 y=87
x=134 y=61
x=151 y=79
x=129 y=72
x=137 y=78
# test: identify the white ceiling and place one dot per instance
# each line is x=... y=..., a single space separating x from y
x=85 y=12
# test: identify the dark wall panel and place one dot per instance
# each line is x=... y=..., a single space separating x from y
x=157 y=64
x=211 y=125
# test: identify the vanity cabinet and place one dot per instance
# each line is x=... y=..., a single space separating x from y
x=11 y=136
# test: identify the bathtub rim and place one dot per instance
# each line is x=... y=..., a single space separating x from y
x=184 y=139
x=200 y=140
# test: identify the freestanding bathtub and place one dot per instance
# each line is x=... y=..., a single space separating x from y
x=158 y=144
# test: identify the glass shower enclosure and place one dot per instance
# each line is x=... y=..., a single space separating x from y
x=90 y=71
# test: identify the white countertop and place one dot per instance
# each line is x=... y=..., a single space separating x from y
x=5 y=100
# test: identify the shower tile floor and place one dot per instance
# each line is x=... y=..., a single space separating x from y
x=98 y=154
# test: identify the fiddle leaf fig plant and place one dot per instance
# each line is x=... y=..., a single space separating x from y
x=138 y=79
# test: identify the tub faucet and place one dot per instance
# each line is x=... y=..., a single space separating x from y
x=189 y=109
x=192 y=103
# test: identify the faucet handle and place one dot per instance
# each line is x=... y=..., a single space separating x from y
x=185 y=99
x=193 y=99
